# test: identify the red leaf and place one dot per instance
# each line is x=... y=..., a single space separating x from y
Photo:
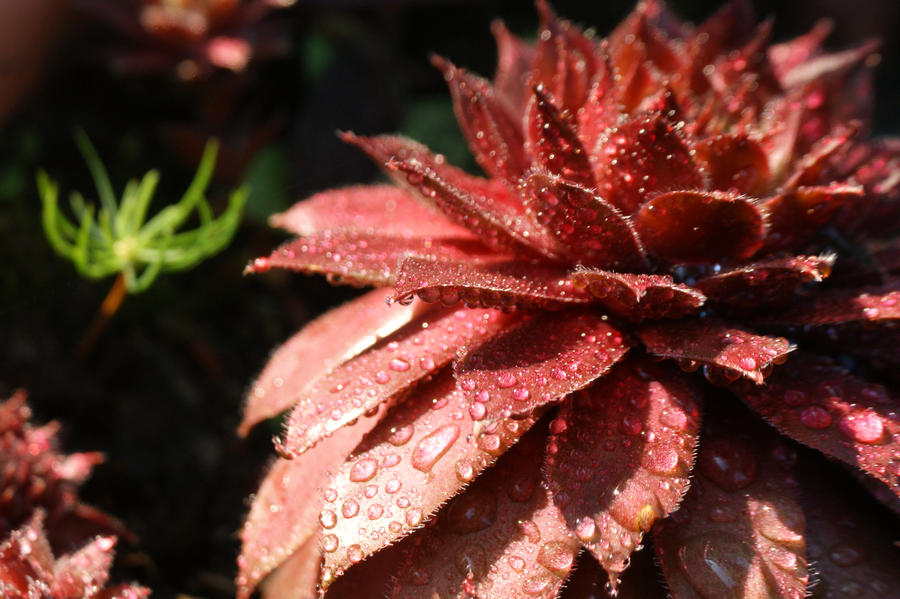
x=643 y=155
x=545 y=359
x=788 y=55
x=735 y=162
x=503 y=537
x=600 y=112
x=877 y=304
x=620 y=455
x=700 y=227
x=764 y=285
x=566 y=61
x=376 y=376
x=514 y=58
x=318 y=347
x=740 y=530
x=792 y=217
x=585 y=228
x=818 y=166
x=483 y=206
x=553 y=142
x=821 y=405
x=383 y=209
x=852 y=546
x=637 y=297
x=495 y=138
x=361 y=258
x=500 y=284
x=726 y=353
x=282 y=518
x=81 y=573
x=423 y=453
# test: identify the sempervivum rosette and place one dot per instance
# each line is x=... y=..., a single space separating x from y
x=668 y=204
x=41 y=516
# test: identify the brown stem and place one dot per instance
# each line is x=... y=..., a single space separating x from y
x=108 y=308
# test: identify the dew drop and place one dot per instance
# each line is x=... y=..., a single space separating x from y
x=392 y=486
x=863 y=427
x=557 y=557
x=399 y=365
x=381 y=377
x=662 y=460
x=400 y=436
x=350 y=508
x=354 y=553
x=414 y=517
x=815 y=417
x=585 y=529
x=363 y=470
x=472 y=511
x=845 y=555
x=538 y=585
x=506 y=380
x=433 y=446
x=328 y=519
x=729 y=464
x=375 y=511
x=330 y=543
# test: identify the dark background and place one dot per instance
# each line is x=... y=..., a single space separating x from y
x=161 y=393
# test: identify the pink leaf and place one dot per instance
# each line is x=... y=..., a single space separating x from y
x=769 y=284
x=359 y=258
x=514 y=58
x=585 y=228
x=566 y=61
x=553 y=142
x=498 y=284
x=423 y=453
x=503 y=537
x=740 y=530
x=321 y=345
x=620 y=455
x=700 y=227
x=483 y=206
x=638 y=297
x=545 y=359
x=365 y=382
x=495 y=138
x=282 y=519
x=643 y=155
x=793 y=216
x=821 y=405
x=382 y=209
x=877 y=304
x=80 y=574
x=735 y=162
x=726 y=353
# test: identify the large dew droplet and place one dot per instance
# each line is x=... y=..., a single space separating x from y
x=433 y=446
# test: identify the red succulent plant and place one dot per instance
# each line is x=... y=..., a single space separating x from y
x=41 y=515
x=665 y=200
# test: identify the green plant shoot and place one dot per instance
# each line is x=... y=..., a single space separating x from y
x=119 y=238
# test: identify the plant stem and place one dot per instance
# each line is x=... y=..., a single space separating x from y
x=108 y=308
